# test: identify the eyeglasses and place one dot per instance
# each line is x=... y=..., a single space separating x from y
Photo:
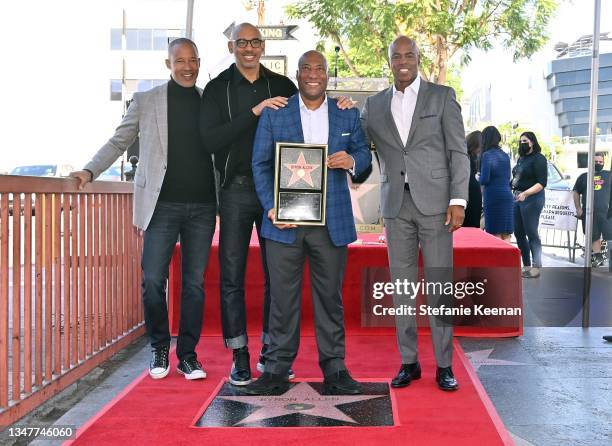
x=243 y=43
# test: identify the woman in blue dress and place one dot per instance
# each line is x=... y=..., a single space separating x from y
x=495 y=180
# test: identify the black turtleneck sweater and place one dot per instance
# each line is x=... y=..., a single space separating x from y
x=189 y=176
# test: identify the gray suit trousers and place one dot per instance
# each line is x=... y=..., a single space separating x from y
x=405 y=233
x=286 y=265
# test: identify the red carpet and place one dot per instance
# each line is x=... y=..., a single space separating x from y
x=161 y=412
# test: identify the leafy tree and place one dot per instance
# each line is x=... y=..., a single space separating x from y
x=363 y=29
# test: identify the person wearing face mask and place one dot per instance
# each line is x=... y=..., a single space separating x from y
x=601 y=193
x=529 y=177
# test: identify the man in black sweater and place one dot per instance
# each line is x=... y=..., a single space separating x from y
x=174 y=195
x=230 y=109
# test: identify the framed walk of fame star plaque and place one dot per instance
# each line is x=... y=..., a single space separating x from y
x=300 y=184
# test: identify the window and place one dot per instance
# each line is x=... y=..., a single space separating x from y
x=115 y=39
x=160 y=39
x=553 y=174
x=144 y=39
x=115 y=86
x=132 y=86
x=131 y=37
x=144 y=85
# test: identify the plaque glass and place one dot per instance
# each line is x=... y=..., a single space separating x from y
x=300 y=184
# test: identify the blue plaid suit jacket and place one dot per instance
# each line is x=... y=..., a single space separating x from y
x=345 y=133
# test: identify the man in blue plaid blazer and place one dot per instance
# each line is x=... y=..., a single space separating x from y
x=309 y=117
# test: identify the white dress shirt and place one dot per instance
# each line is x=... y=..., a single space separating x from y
x=402 y=109
x=315 y=125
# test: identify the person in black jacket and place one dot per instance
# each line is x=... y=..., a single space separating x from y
x=230 y=109
x=529 y=178
x=473 y=211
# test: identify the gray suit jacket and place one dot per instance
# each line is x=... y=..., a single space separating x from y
x=434 y=158
x=146 y=117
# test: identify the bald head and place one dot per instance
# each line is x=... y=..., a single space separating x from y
x=247 y=27
x=405 y=40
x=247 y=45
x=312 y=78
x=310 y=56
x=404 y=61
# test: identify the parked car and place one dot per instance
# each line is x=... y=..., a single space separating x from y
x=39 y=170
x=557 y=180
x=113 y=173
x=43 y=170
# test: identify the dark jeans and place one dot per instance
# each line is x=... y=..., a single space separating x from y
x=239 y=209
x=526 y=219
x=195 y=223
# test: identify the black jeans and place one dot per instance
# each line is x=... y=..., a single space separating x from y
x=239 y=208
x=526 y=220
x=195 y=223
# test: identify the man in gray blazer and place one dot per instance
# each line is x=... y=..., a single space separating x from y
x=174 y=195
x=417 y=129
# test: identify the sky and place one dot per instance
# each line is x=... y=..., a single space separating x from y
x=47 y=111
x=574 y=19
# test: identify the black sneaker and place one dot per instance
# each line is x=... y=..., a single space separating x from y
x=597 y=259
x=191 y=368
x=341 y=383
x=261 y=364
x=267 y=384
x=241 y=368
x=159 y=367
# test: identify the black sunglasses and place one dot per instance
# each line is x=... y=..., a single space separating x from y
x=243 y=43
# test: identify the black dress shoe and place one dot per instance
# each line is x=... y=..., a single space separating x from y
x=445 y=379
x=267 y=384
x=608 y=338
x=241 y=367
x=406 y=374
x=341 y=383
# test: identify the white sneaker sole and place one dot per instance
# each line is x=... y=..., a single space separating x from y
x=261 y=369
x=200 y=374
x=240 y=383
x=159 y=375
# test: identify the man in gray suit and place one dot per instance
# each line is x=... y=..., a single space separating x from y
x=174 y=195
x=417 y=129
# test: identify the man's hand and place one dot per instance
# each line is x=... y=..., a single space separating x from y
x=281 y=226
x=83 y=176
x=579 y=212
x=274 y=103
x=340 y=160
x=454 y=217
x=345 y=102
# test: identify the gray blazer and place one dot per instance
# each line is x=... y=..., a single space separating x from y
x=434 y=159
x=146 y=117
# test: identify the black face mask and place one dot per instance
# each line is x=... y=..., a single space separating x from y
x=598 y=167
x=524 y=149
